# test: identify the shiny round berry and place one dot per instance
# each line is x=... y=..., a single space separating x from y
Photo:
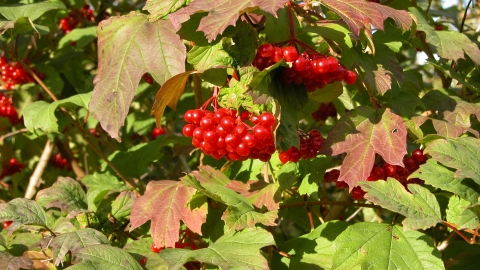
x=277 y=55
x=6 y=224
x=267 y=119
x=266 y=50
x=290 y=54
x=389 y=169
x=155 y=248
x=418 y=156
x=188 y=130
x=358 y=193
x=349 y=77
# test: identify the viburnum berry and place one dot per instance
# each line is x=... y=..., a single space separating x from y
x=142 y=261
x=341 y=184
x=439 y=27
x=331 y=176
x=12 y=167
x=155 y=248
x=310 y=144
x=357 y=193
x=324 y=111
x=156 y=132
x=6 y=224
x=418 y=156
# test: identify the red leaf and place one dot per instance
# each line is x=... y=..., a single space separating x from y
x=359 y=14
x=259 y=193
x=169 y=94
x=165 y=204
x=361 y=133
x=221 y=13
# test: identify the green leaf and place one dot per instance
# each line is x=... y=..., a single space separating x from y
x=210 y=56
x=460 y=215
x=420 y=207
x=140 y=249
x=333 y=31
x=311 y=171
x=141 y=155
x=400 y=101
x=240 y=212
x=22 y=211
x=65 y=193
x=74 y=241
x=104 y=257
x=8 y=261
x=161 y=8
x=314 y=248
x=361 y=133
x=440 y=177
x=328 y=93
x=286 y=176
x=129 y=46
x=245 y=43
x=33 y=11
x=277 y=28
x=81 y=36
x=99 y=185
x=234 y=250
x=447 y=44
x=41 y=115
x=123 y=204
x=461 y=154
x=383 y=246
x=259 y=193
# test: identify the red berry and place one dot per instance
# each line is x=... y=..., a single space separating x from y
x=300 y=64
x=410 y=163
x=277 y=55
x=6 y=224
x=266 y=50
x=349 y=77
x=319 y=65
x=439 y=27
x=188 y=130
x=290 y=54
x=377 y=173
x=261 y=132
x=341 y=184
x=142 y=261
x=389 y=169
x=332 y=63
x=418 y=156
x=358 y=193
x=157 y=132
x=266 y=119
x=249 y=140
x=156 y=249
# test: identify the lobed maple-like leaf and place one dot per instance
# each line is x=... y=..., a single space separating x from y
x=165 y=204
x=448 y=44
x=240 y=213
x=441 y=177
x=140 y=249
x=161 y=8
x=65 y=193
x=234 y=250
x=259 y=193
x=103 y=256
x=461 y=213
x=461 y=154
x=74 y=241
x=369 y=245
x=10 y=262
x=361 y=133
x=420 y=207
x=221 y=13
x=360 y=14
x=22 y=211
x=169 y=94
x=129 y=46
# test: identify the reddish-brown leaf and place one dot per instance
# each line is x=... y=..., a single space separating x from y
x=360 y=14
x=361 y=133
x=169 y=94
x=128 y=47
x=259 y=193
x=165 y=204
x=221 y=13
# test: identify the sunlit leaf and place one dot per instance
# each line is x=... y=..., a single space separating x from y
x=10 y=262
x=420 y=207
x=259 y=193
x=100 y=185
x=65 y=193
x=361 y=133
x=383 y=246
x=130 y=46
x=22 y=211
x=161 y=8
x=104 y=257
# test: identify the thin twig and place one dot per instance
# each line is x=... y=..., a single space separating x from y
x=37 y=173
x=464 y=16
x=12 y=134
x=443 y=245
x=354 y=214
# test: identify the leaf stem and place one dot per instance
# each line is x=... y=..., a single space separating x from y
x=454 y=228
x=299 y=204
x=464 y=16
x=290 y=20
x=197 y=89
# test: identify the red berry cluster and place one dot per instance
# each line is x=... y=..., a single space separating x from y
x=156 y=132
x=313 y=70
x=223 y=133
x=13 y=73
x=381 y=172
x=8 y=110
x=76 y=16
x=156 y=248
x=11 y=168
x=326 y=110
x=310 y=145
x=59 y=161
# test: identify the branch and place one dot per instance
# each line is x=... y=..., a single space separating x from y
x=12 y=133
x=37 y=173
